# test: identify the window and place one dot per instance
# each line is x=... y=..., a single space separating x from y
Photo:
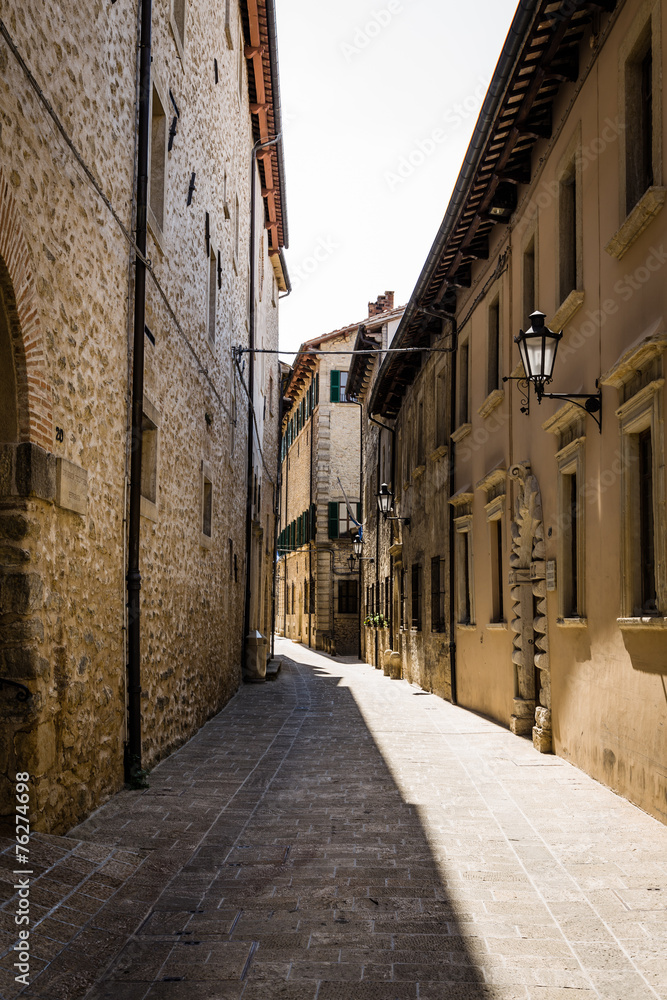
x=529 y=287
x=569 y=231
x=341 y=525
x=416 y=595
x=496 y=561
x=462 y=385
x=148 y=458
x=463 y=558
x=292 y=602
x=387 y=599
x=177 y=21
x=402 y=599
x=571 y=518
x=237 y=228
x=212 y=294
x=347 y=597
x=639 y=120
x=648 y=601
x=493 y=348
x=305 y=597
x=239 y=68
x=442 y=417
x=158 y=161
x=338 y=386
x=228 y=25
x=438 y=595
x=421 y=451
x=207 y=507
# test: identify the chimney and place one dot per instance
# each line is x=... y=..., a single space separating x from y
x=383 y=303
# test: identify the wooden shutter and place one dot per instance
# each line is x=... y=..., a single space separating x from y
x=335 y=386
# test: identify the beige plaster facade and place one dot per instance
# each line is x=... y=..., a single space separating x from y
x=559 y=604
x=67 y=203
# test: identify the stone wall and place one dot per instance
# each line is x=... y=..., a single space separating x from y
x=63 y=559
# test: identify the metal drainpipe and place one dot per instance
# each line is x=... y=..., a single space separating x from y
x=452 y=479
x=251 y=391
x=276 y=516
x=134 y=774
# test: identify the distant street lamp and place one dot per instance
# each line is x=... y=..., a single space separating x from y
x=351 y=562
x=385 y=499
x=537 y=347
x=358 y=545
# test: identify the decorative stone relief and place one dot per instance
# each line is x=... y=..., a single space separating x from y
x=532 y=709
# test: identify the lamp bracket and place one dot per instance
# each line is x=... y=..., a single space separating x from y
x=592 y=406
x=391 y=517
x=524 y=389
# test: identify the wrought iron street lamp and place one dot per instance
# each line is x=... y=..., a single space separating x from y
x=538 y=346
x=385 y=499
x=357 y=545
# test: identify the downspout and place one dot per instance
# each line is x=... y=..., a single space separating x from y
x=251 y=390
x=392 y=431
x=134 y=774
x=276 y=516
x=452 y=481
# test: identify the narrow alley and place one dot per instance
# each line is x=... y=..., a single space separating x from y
x=337 y=835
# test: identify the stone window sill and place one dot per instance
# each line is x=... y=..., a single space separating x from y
x=156 y=231
x=419 y=471
x=639 y=218
x=470 y=627
x=572 y=622
x=439 y=452
x=567 y=310
x=461 y=432
x=497 y=626
x=645 y=622
x=494 y=399
x=205 y=541
x=148 y=509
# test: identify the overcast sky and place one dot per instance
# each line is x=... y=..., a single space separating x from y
x=379 y=101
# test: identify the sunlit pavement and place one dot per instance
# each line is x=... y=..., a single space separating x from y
x=336 y=834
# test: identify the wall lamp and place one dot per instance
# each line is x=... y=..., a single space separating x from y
x=385 y=500
x=538 y=347
x=351 y=561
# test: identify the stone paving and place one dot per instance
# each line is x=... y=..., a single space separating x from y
x=336 y=835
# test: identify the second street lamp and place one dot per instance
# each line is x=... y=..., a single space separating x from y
x=385 y=499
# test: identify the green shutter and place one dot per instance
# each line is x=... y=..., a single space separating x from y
x=317 y=388
x=313 y=520
x=335 y=386
x=333 y=519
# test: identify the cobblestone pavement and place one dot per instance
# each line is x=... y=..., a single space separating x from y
x=336 y=835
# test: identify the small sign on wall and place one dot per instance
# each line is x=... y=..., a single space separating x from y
x=551 y=574
x=71 y=486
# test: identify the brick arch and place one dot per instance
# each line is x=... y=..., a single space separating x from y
x=17 y=286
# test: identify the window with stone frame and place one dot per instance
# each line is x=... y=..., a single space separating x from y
x=177 y=20
x=465 y=614
x=529 y=282
x=402 y=599
x=463 y=383
x=347 y=597
x=493 y=347
x=416 y=593
x=639 y=119
x=341 y=523
x=570 y=247
x=438 y=595
x=496 y=565
x=157 y=179
x=212 y=294
x=206 y=503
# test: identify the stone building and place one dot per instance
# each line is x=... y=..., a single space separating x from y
x=69 y=93
x=551 y=506
x=317 y=590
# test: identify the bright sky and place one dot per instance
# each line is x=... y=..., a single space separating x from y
x=379 y=102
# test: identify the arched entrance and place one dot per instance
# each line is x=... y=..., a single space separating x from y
x=27 y=479
x=532 y=684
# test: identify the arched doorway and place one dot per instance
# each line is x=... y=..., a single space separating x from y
x=27 y=479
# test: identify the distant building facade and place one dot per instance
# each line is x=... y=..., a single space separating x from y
x=317 y=590
x=552 y=528
x=68 y=199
